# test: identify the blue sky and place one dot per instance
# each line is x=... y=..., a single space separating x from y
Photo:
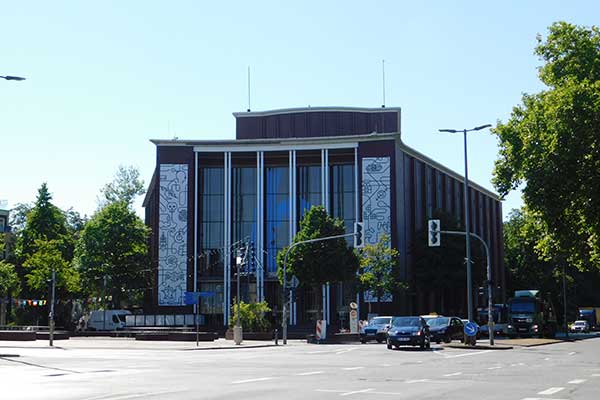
x=105 y=77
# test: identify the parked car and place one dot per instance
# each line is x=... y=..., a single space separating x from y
x=376 y=329
x=445 y=329
x=580 y=326
x=408 y=331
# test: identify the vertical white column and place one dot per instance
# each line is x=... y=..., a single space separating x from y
x=227 y=239
x=195 y=226
x=259 y=225
x=325 y=204
x=293 y=219
x=356 y=211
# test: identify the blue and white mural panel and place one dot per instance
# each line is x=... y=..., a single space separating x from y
x=376 y=205
x=172 y=231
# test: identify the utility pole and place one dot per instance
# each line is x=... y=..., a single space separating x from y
x=53 y=290
x=104 y=303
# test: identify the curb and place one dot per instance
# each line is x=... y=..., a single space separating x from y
x=253 y=346
x=479 y=347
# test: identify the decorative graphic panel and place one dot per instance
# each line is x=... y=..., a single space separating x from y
x=376 y=204
x=172 y=231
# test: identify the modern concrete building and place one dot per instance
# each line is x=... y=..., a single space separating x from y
x=207 y=196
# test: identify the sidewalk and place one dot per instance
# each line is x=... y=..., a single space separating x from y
x=96 y=343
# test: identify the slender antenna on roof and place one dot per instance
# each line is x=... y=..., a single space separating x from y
x=248 y=88
x=383 y=74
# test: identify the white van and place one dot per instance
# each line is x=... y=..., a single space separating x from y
x=115 y=320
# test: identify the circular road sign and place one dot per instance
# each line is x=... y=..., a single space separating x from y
x=471 y=329
x=353 y=305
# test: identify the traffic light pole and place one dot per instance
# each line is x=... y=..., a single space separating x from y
x=489 y=280
x=51 y=333
x=284 y=323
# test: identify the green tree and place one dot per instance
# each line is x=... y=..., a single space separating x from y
x=44 y=222
x=315 y=264
x=113 y=244
x=440 y=272
x=377 y=269
x=126 y=186
x=9 y=287
x=551 y=145
x=47 y=257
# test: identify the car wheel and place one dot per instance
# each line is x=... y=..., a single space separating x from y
x=389 y=345
x=447 y=338
x=379 y=340
x=363 y=341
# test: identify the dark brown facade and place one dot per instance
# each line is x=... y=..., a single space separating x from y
x=327 y=139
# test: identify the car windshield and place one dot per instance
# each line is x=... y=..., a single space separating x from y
x=522 y=307
x=438 y=321
x=579 y=322
x=380 y=321
x=407 y=321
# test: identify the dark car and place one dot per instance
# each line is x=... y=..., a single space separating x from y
x=445 y=329
x=408 y=331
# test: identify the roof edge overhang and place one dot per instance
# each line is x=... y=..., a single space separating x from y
x=315 y=109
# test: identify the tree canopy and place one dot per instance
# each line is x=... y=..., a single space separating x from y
x=551 y=145
x=315 y=264
x=114 y=244
x=126 y=186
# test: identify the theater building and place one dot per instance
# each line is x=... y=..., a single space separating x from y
x=208 y=196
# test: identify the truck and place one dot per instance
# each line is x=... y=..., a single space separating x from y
x=530 y=314
x=591 y=315
x=499 y=316
x=115 y=320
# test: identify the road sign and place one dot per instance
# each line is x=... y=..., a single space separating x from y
x=471 y=329
x=359 y=235
x=434 y=233
x=353 y=305
x=191 y=298
x=294 y=282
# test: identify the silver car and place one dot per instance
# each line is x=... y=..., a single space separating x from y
x=376 y=329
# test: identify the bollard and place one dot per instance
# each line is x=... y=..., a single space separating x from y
x=276 y=337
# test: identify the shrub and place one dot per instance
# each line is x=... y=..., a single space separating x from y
x=252 y=316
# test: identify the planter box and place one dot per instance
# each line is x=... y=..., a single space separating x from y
x=251 y=335
x=59 y=335
x=18 y=335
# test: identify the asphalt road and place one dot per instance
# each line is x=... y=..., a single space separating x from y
x=301 y=371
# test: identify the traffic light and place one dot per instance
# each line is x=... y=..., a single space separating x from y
x=434 y=233
x=359 y=235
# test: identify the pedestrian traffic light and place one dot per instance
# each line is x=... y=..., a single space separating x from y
x=359 y=235
x=434 y=233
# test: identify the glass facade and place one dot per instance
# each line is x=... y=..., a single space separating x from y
x=309 y=188
x=343 y=195
x=210 y=202
x=277 y=223
x=243 y=203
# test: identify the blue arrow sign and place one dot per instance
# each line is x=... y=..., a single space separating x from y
x=471 y=329
x=192 y=297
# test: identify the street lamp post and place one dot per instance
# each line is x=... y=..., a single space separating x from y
x=467 y=215
x=12 y=78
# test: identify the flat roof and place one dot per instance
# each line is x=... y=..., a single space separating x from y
x=315 y=109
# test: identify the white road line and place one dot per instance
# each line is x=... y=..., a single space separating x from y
x=310 y=373
x=252 y=380
x=417 y=380
x=386 y=365
x=356 y=391
x=577 y=381
x=352 y=368
x=462 y=354
x=345 y=350
x=547 y=359
x=552 y=390
x=454 y=374
x=540 y=398
x=595 y=374
x=572 y=353
x=496 y=367
x=142 y=395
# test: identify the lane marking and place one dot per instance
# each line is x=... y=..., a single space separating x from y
x=540 y=398
x=386 y=365
x=454 y=374
x=143 y=395
x=356 y=391
x=252 y=380
x=577 y=381
x=417 y=380
x=496 y=367
x=595 y=374
x=463 y=354
x=547 y=359
x=352 y=368
x=345 y=350
x=552 y=390
x=572 y=353
x=310 y=373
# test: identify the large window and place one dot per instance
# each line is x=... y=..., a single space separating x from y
x=309 y=188
x=210 y=200
x=343 y=195
x=244 y=204
x=277 y=214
